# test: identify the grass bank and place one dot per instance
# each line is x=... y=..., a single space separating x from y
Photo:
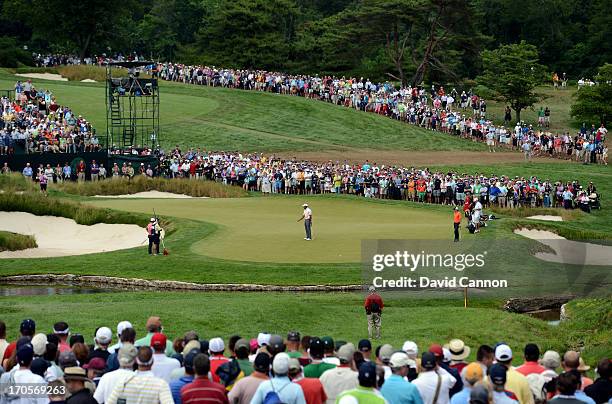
x=14 y=242
x=72 y=73
x=123 y=186
x=339 y=315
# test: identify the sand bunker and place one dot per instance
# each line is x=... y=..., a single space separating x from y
x=150 y=195
x=59 y=236
x=88 y=81
x=568 y=251
x=548 y=218
x=43 y=76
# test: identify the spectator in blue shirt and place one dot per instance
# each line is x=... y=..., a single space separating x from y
x=472 y=374
x=397 y=390
x=27 y=171
x=177 y=385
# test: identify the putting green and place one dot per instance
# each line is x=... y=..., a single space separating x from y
x=264 y=229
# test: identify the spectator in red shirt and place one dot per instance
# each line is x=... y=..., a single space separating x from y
x=531 y=365
x=202 y=389
x=373 y=306
x=314 y=393
x=216 y=346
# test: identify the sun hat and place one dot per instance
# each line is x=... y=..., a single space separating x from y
x=216 y=345
x=458 y=349
x=75 y=373
x=104 y=335
x=582 y=367
x=193 y=344
x=280 y=364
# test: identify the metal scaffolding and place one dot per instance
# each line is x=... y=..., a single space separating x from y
x=132 y=107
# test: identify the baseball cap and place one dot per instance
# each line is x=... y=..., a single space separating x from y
x=127 y=354
x=385 y=352
x=241 y=344
x=367 y=372
x=23 y=341
x=39 y=366
x=294 y=364
x=216 y=345
x=497 y=374
x=159 y=340
x=411 y=348
x=280 y=365
x=345 y=352
x=96 y=363
x=428 y=360
x=551 y=360
x=473 y=373
x=153 y=322
x=25 y=353
x=479 y=395
x=262 y=363
x=188 y=362
x=276 y=344
x=123 y=325
x=293 y=336
x=67 y=359
x=263 y=338
x=437 y=350
x=399 y=359
x=364 y=345
x=104 y=335
x=503 y=353
x=316 y=346
x=28 y=326
x=39 y=344
x=328 y=343
x=305 y=205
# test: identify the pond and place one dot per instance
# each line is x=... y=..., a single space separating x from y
x=10 y=290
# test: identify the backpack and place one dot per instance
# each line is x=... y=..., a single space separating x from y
x=272 y=397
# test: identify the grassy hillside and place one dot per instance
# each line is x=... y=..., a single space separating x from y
x=225 y=119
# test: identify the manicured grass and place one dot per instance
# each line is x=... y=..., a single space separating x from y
x=559 y=102
x=14 y=242
x=226 y=119
x=339 y=315
x=265 y=229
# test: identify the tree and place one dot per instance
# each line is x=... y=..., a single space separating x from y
x=512 y=72
x=593 y=103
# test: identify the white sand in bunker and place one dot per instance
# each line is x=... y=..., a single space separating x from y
x=568 y=251
x=43 y=76
x=151 y=195
x=548 y=218
x=59 y=236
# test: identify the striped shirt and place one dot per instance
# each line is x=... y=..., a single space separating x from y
x=142 y=388
x=203 y=390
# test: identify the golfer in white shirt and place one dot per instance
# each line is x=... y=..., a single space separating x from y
x=307 y=217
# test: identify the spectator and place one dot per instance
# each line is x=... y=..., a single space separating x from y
x=62 y=331
x=317 y=367
x=245 y=388
x=571 y=361
x=188 y=377
x=396 y=389
x=216 y=347
x=459 y=352
x=515 y=381
x=126 y=356
x=567 y=384
x=366 y=391
x=313 y=390
x=3 y=343
x=95 y=369
x=22 y=375
x=342 y=377
x=122 y=325
x=128 y=336
x=143 y=387
x=430 y=378
x=365 y=347
x=152 y=326
x=241 y=351
x=75 y=383
x=293 y=345
x=162 y=365
x=601 y=389
x=551 y=361
x=531 y=365
x=103 y=339
x=498 y=378
x=288 y=393
x=471 y=374
x=203 y=389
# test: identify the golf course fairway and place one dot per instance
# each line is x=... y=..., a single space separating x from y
x=265 y=229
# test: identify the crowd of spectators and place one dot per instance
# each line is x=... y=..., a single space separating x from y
x=35 y=123
x=458 y=113
x=297 y=369
x=60 y=59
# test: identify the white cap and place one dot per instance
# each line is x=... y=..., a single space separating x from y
x=305 y=205
x=104 y=335
x=503 y=353
x=123 y=325
x=216 y=345
x=263 y=339
x=39 y=344
x=399 y=359
x=152 y=219
x=446 y=355
x=280 y=365
x=411 y=348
